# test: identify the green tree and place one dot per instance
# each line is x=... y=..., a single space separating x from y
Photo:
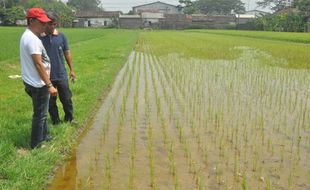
x=222 y=7
x=85 y=5
x=11 y=15
x=189 y=7
x=64 y=11
x=15 y=10
x=294 y=23
x=6 y=4
x=304 y=7
x=282 y=22
x=275 y=5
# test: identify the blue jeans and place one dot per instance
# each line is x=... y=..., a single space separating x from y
x=40 y=97
x=65 y=96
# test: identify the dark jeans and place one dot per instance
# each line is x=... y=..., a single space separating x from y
x=40 y=97
x=65 y=98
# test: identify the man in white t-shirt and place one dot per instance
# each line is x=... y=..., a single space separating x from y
x=35 y=66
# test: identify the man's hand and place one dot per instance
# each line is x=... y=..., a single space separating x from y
x=72 y=76
x=53 y=91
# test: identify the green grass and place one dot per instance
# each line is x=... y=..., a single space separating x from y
x=281 y=36
x=216 y=45
x=98 y=55
x=9 y=39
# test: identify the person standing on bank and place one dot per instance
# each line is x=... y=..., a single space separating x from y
x=35 y=69
x=57 y=48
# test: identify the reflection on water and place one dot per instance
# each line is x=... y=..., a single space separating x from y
x=176 y=123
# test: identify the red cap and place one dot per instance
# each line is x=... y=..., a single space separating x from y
x=39 y=14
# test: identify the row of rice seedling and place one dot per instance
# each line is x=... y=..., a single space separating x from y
x=171 y=105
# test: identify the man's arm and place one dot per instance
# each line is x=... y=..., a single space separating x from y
x=37 y=59
x=68 y=58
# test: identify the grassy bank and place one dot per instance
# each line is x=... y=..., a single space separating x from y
x=98 y=55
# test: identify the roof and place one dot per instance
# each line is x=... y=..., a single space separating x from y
x=289 y=10
x=129 y=16
x=257 y=12
x=244 y=16
x=155 y=3
x=97 y=14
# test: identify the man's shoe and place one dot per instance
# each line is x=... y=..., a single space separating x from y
x=48 y=138
x=56 y=122
x=74 y=122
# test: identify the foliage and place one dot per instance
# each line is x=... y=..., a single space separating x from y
x=284 y=18
x=189 y=7
x=85 y=5
x=63 y=11
x=275 y=5
x=304 y=7
x=221 y=7
x=284 y=22
x=11 y=15
x=10 y=3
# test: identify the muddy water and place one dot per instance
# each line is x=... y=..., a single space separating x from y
x=176 y=123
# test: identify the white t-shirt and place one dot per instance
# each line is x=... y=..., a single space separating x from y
x=30 y=44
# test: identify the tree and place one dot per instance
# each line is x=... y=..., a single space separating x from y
x=85 y=5
x=15 y=10
x=276 y=5
x=62 y=10
x=6 y=4
x=222 y=7
x=303 y=6
x=11 y=15
x=189 y=7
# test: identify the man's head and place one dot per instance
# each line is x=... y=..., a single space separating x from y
x=37 y=19
x=53 y=23
x=39 y=14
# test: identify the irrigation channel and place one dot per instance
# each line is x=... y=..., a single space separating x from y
x=171 y=122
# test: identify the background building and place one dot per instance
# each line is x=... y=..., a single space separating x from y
x=96 y=19
x=157 y=7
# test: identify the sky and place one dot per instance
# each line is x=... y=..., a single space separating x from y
x=126 y=5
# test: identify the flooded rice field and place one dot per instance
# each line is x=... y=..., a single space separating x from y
x=171 y=122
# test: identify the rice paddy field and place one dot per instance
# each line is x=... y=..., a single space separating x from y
x=187 y=110
x=194 y=110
